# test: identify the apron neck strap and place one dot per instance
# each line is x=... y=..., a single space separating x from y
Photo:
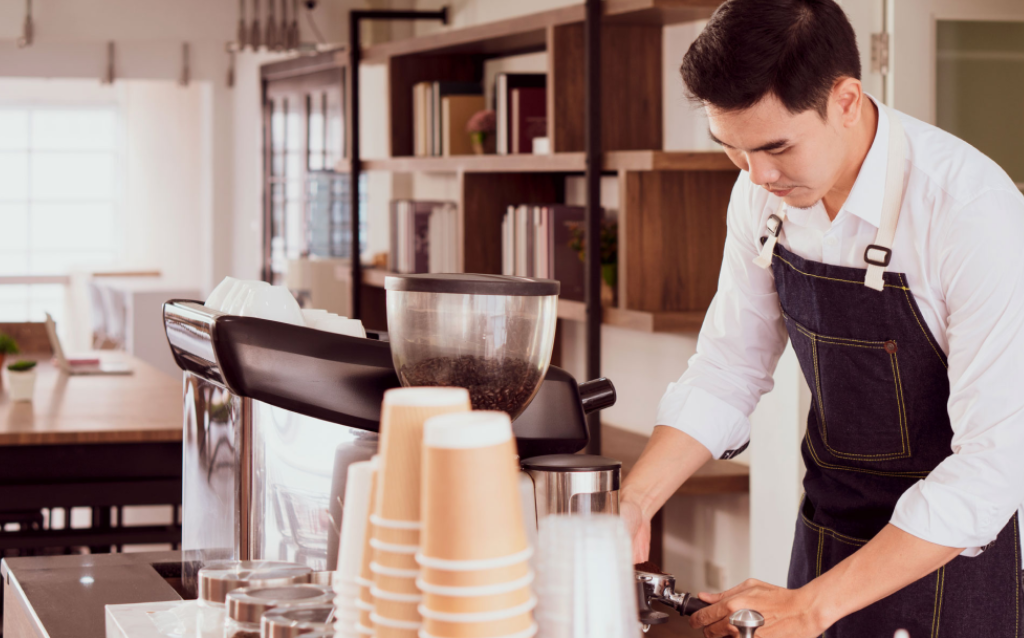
x=878 y=254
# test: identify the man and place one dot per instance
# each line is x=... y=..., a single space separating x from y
x=889 y=253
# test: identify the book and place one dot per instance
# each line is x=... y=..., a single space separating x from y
x=565 y=263
x=419 y=119
x=528 y=118
x=505 y=83
x=456 y=110
x=423 y=237
x=440 y=90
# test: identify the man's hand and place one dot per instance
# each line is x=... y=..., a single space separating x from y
x=639 y=528
x=788 y=613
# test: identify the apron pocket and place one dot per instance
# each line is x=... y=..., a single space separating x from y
x=857 y=394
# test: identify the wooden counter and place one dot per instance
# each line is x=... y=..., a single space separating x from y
x=142 y=407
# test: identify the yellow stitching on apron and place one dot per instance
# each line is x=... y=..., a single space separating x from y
x=819 y=463
x=845 y=281
x=821 y=546
x=940 y=586
x=844 y=340
x=903 y=407
x=842 y=538
x=817 y=386
x=919 y=324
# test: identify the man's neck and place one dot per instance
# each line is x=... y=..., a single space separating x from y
x=863 y=137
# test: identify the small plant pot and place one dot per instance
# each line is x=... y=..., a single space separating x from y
x=23 y=384
x=2 y=357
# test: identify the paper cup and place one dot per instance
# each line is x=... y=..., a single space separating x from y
x=220 y=293
x=406 y=625
x=397 y=610
x=396 y=632
x=396 y=585
x=478 y=578
x=464 y=600
x=364 y=629
x=530 y=632
x=471 y=503
x=405 y=561
x=367 y=557
x=358 y=496
x=365 y=600
x=401 y=445
x=489 y=626
x=396 y=532
x=274 y=303
x=365 y=619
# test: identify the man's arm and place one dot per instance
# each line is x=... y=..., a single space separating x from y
x=670 y=457
x=889 y=562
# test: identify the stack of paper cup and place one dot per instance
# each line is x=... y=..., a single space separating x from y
x=585 y=578
x=354 y=523
x=364 y=601
x=396 y=519
x=475 y=577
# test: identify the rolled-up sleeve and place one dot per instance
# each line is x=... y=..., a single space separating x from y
x=973 y=493
x=739 y=345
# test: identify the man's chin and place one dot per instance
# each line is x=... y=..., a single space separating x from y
x=800 y=200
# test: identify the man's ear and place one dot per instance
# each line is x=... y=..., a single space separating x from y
x=846 y=100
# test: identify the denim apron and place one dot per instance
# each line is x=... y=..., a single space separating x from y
x=878 y=424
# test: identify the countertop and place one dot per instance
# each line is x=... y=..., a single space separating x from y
x=64 y=596
x=144 y=406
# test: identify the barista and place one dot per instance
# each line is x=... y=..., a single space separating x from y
x=889 y=253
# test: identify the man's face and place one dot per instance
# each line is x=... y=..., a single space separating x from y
x=798 y=157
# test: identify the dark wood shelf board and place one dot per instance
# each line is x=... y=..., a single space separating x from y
x=639 y=320
x=554 y=163
x=716 y=477
x=528 y=33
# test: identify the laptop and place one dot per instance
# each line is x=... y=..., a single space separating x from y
x=81 y=366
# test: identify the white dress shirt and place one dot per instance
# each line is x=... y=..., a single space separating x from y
x=959 y=242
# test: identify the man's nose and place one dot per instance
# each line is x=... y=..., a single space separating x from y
x=762 y=171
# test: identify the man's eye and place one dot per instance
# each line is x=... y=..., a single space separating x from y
x=778 y=152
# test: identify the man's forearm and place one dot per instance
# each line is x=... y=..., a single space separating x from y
x=889 y=562
x=670 y=457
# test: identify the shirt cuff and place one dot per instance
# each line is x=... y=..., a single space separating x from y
x=946 y=516
x=715 y=424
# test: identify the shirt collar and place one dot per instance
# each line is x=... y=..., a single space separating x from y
x=865 y=198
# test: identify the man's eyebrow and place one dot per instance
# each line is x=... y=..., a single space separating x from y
x=770 y=146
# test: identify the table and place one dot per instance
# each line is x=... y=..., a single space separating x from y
x=91 y=441
x=64 y=596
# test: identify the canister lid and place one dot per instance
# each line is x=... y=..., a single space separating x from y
x=570 y=463
x=218 y=578
x=473 y=284
x=294 y=621
x=249 y=604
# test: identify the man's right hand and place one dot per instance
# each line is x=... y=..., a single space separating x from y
x=639 y=529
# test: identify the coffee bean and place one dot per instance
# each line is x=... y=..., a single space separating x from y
x=493 y=384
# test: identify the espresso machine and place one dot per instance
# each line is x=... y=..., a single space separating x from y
x=274 y=413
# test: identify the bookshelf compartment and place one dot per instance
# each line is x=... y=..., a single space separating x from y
x=672 y=238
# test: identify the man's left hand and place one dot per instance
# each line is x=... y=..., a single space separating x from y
x=788 y=613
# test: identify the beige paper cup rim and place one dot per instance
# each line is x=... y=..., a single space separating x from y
x=467 y=430
x=397 y=624
x=388 y=523
x=526 y=633
x=473 y=565
x=480 y=590
x=363 y=629
x=482 y=616
x=363 y=605
x=392 y=596
x=394 y=572
x=364 y=582
x=426 y=397
x=394 y=548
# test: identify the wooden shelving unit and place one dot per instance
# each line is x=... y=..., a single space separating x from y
x=672 y=204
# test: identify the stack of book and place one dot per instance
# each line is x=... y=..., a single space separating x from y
x=440 y=113
x=521 y=108
x=540 y=241
x=423 y=237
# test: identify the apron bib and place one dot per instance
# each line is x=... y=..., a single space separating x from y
x=878 y=423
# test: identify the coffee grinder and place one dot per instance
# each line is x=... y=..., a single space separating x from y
x=494 y=335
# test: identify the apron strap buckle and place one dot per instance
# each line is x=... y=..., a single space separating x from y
x=884 y=261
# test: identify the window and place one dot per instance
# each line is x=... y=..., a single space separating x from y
x=58 y=202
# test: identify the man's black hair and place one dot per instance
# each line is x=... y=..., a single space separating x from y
x=793 y=49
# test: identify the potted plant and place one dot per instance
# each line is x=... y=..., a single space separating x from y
x=23 y=380
x=609 y=257
x=7 y=346
x=481 y=127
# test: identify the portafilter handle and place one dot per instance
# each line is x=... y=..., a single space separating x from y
x=597 y=395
